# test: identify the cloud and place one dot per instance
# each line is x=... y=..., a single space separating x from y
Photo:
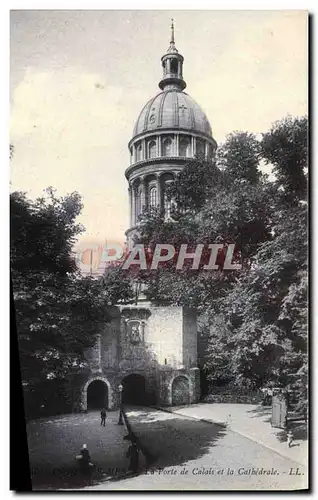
x=69 y=134
x=67 y=107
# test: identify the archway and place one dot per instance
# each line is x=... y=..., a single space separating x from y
x=97 y=395
x=134 y=390
x=180 y=391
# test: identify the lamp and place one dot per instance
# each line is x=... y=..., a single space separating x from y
x=120 y=420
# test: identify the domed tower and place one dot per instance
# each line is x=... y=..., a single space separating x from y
x=170 y=129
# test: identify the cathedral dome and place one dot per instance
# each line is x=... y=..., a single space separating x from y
x=170 y=130
x=172 y=109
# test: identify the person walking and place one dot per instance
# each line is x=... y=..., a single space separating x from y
x=85 y=460
x=133 y=454
x=103 y=417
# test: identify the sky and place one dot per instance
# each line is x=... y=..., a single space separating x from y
x=80 y=78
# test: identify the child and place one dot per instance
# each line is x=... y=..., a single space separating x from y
x=290 y=438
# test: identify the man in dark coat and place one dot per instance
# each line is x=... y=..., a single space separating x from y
x=103 y=417
x=133 y=454
x=85 y=462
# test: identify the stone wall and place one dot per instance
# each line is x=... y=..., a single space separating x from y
x=159 y=343
x=164 y=335
x=190 y=342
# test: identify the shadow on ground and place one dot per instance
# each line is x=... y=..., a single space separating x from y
x=261 y=411
x=53 y=443
x=173 y=439
x=299 y=430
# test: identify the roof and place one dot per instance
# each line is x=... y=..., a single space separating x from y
x=172 y=109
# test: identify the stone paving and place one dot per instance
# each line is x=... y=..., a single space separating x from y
x=252 y=422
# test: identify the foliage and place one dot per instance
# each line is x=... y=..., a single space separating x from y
x=254 y=321
x=239 y=156
x=58 y=311
x=285 y=147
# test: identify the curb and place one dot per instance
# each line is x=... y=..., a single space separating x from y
x=218 y=422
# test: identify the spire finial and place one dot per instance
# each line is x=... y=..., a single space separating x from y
x=172 y=63
x=172 y=32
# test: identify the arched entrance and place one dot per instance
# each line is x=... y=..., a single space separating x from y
x=97 y=395
x=134 y=390
x=180 y=391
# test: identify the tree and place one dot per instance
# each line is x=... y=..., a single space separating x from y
x=239 y=156
x=255 y=319
x=266 y=311
x=58 y=312
x=210 y=207
x=285 y=147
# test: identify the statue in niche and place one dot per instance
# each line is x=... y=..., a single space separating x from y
x=135 y=331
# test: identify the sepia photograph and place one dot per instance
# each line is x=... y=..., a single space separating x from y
x=159 y=217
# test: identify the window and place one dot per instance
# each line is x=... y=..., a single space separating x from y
x=138 y=202
x=210 y=151
x=184 y=147
x=200 y=147
x=152 y=147
x=138 y=152
x=174 y=66
x=167 y=147
x=167 y=201
x=153 y=196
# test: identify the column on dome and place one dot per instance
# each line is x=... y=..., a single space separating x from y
x=159 y=192
x=135 y=202
x=133 y=205
x=176 y=138
x=142 y=194
x=138 y=200
x=138 y=151
x=143 y=145
x=206 y=149
x=159 y=146
x=179 y=69
x=194 y=149
x=130 y=205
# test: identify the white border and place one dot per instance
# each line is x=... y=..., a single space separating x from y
x=4 y=209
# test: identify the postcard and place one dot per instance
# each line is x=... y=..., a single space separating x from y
x=159 y=248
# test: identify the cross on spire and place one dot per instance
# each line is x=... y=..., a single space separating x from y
x=172 y=32
x=172 y=63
